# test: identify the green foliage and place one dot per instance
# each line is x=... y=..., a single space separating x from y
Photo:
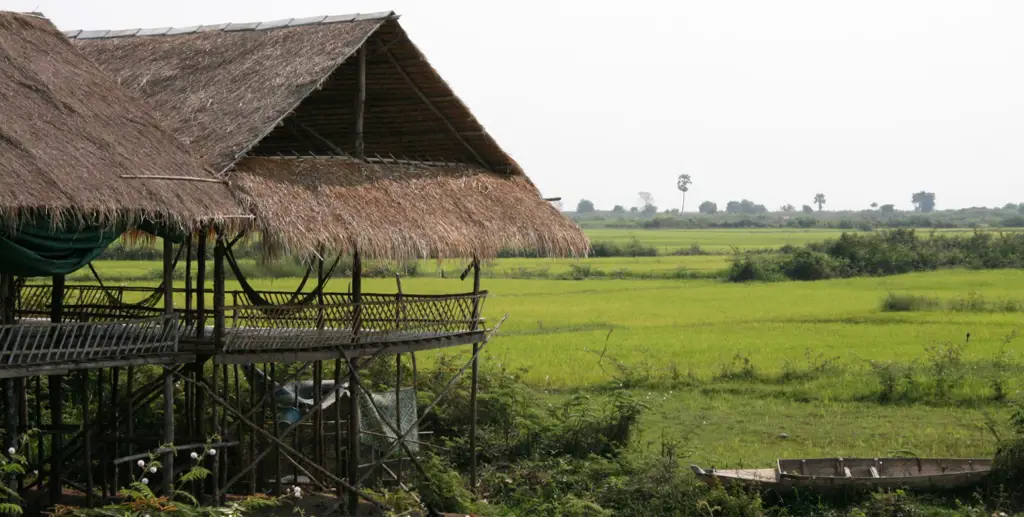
x=884 y=253
x=138 y=498
x=923 y=201
x=708 y=207
x=585 y=206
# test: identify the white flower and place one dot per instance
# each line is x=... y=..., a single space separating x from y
x=212 y=452
x=297 y=492
x=145 y=481
x=11 y=451
x=141 y=464
x=152 y=470
x=194 y=455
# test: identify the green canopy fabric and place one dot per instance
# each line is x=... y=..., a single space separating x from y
x=39 y=250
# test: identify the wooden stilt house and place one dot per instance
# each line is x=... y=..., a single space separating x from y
x=358 y=150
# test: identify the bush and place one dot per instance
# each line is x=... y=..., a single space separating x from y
x=907 y=302
x=748 y=268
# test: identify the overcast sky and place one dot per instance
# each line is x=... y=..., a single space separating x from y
x=865 y=100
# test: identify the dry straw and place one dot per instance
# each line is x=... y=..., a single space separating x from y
x=394 y=211
x=68 y=134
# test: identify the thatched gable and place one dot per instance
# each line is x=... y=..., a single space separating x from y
x=68 y=134
x=288 y=88
x=401 y=211
x=223 y=88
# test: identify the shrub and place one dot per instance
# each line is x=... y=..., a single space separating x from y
x=748 y=268
x=907 y=302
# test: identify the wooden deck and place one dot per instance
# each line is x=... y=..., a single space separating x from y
x=115 y=326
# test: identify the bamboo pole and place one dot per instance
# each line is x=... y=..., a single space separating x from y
x=56 y=399
x=475 y=382
x=84 y=398
x=287 y=448
x=353 y=386
x=168 y=459
x=201 y=287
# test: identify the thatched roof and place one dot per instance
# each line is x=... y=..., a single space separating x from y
x=223 y=88
x=402 y=210
x=288 y=88
x=68 y=134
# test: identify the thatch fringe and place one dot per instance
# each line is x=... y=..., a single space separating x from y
x=221 y=92
x=68 y=134
x=392 y=211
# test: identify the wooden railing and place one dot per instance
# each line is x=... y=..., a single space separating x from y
x=31 y=343
x=377 y=318
x=280 y=324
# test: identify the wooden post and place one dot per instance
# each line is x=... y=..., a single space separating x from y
x=218 y=291
x=188 y=287
x=337 y=425
x=201 y=289
x=318 y=420
x=10 y=390
x=10 y=420
x=475 y=379
x=360 y=102
x=56 y=400
x=115 y=379
x=398 y=371
x=56 y=438
x=215 y=465
x=278 y=469
x=101 y=412
x=353 y=386
x=86 y=423
x=398 y=408
x=353 y=436
x=168 y=459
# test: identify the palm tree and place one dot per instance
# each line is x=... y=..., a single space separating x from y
x=683 y=184
x=819 y=199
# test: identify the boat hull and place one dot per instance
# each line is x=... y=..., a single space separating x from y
x=840 y=475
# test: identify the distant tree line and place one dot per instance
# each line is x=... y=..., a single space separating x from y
x=923 y=202
x=890 y=252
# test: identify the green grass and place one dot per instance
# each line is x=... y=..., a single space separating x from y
x=678 y=337
x=723 y=241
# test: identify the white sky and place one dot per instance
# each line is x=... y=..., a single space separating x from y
x=864 y=100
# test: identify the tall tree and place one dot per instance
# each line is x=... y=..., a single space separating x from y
x=874 y=205
x=708 y=207
x=819 y=199
x=683 y=184
x=585 y=206
x=648 y=201
x=787 y=208
x=923 y=201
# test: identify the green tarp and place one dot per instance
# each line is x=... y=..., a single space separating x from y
x=39 y=250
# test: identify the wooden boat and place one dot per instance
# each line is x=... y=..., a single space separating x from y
x=834 y=474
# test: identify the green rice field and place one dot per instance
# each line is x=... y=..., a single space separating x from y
x=741 y=374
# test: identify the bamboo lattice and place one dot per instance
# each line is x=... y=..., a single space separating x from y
x=37 y=342
x=279 y=325
x=340 y=321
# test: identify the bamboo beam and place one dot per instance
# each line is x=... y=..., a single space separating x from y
x=438 y=112
x=437 y=399
x=174 y=178
x=353 y=388
x=284 y=446
x=360 y=103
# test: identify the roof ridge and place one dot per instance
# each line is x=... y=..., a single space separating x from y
x=229 y=27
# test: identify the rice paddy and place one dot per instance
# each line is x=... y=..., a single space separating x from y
x=740 y=374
